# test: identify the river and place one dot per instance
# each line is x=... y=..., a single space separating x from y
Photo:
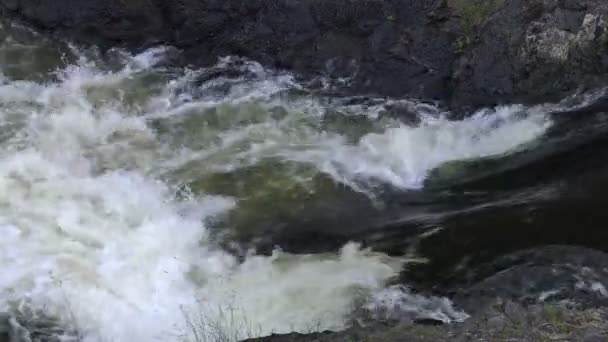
x=141 y=201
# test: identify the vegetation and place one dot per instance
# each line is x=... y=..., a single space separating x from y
x=230 y=325
x=473 y=13
x=461 y=44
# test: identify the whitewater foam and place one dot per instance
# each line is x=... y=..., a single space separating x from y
x=403 y=155
x=394 y=153
x=93 y=235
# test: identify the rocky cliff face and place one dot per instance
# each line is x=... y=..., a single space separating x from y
x=533 y=51
x=463 y=53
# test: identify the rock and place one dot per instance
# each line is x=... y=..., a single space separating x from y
x=17 y=332
x=514 y=312
x=98 y=21
x=534 y=51
x=487 y=325
x=548 y=46
x=594 y=335
x=390 y=48
x=30 y=326
x=464 y=53
x=542 y=275
x=4 y=328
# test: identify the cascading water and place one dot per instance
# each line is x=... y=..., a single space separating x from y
x=112 y=173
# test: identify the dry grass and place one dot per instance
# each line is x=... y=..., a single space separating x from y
x=227 y=325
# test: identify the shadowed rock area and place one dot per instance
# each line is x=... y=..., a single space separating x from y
x=463 y=53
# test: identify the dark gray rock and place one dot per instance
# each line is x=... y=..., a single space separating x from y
x=108 y=21
x=37 y=327
x=534 y=51
x=594 y=335
x=393 y=48
x=540 y=323
x=4 y=328
x=464 y=53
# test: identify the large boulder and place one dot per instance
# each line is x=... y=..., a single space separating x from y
x=99 y=22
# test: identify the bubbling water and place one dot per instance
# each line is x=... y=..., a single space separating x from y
x=93 y=231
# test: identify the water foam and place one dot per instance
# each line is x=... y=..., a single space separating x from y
x=92 y=235
x=403 y=156
x=393 y=153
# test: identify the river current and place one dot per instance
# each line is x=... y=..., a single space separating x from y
x=133 y=193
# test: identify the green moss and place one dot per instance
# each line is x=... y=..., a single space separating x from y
x=553 y=314
x=473 y=13
x=425 y=331
x=461 y=44
x=511 y=332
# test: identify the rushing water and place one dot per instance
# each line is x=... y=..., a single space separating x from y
x=124 y=183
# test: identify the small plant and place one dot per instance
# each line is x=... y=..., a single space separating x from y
x=553 y=314
x=473 y=13
x=461 y=44
x=225 y=325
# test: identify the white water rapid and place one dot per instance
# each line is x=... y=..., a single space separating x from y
x=93 y=231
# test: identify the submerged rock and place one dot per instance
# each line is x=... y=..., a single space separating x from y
x=33 y=327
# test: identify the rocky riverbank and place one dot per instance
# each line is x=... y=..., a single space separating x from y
x=553 y=293
x=462 y=53
x=499 y=322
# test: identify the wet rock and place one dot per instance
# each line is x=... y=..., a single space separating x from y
x=464 y=53
x=4 y=328
x=551 y=274
x=383 y=47
x=37 y=327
